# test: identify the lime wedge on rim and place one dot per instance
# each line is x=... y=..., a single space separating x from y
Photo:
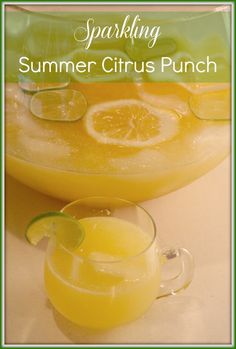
x=67 y=230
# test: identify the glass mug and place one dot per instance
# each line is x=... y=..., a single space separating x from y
x=115 y=274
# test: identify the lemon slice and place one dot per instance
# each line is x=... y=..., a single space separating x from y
x=130 y=122
x=213 y=105
x=68 y=231
x=59 y=105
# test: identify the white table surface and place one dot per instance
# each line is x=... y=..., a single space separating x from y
x=196 y=217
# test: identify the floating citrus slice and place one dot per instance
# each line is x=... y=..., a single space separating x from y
x=29 y=85
x=68 y=231
x=213 y=105
x=59 y=105
x=131 y=123
x=41 y=86
x=46 y=79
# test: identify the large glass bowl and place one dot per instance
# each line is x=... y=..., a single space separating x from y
x=63 y=160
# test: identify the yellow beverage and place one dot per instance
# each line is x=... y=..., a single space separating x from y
x=110 y=279
x=96 y=150
x=47 y=154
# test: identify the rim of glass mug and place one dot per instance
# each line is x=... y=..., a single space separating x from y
x=168 y=286
x=153 y=224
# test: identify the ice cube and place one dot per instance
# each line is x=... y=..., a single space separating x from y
x=171 y=101
x=144 y=160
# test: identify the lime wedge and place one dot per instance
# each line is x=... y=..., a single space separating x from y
x=68 y=231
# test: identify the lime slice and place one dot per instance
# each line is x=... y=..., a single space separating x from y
x=30 y=84
x=214 y=105
x=59 y=105
x=68 y=231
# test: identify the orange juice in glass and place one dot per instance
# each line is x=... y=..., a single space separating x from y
x=116 y=273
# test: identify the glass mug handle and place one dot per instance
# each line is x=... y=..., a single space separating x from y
x=184 y=275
